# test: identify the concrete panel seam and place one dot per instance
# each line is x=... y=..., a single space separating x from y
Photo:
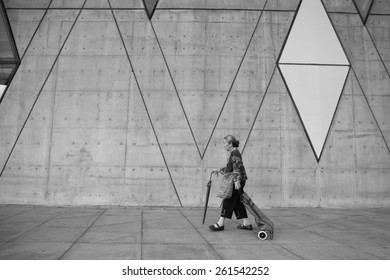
x=342 y=13
x=35 y=227
x=146 y=108
x=364 y=20
x=208 y=243
x=377 y=50
x=51 y=137
x=15 y=215
x=40 y=91
x=35 y=32
x=82 y=234
x=258 y=110
x=70 y=8
x=354 y=124
x=343 y=244
x=224 y=9
x=372 y=112
x=234 y=79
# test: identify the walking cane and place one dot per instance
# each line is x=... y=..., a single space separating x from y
x=208 y=195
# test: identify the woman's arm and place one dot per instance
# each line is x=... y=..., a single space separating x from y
x=238 y=165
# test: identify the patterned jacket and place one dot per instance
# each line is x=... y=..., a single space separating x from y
x=235 y=164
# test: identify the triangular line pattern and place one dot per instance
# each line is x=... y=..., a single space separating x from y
x=150 y=7
x=316 y=40
x=14 y=18
x=372 y=112
x=258 y=111
x=202 y=63
x=144 y=103
x=39 y=93
x=305 y=25
x=36 y=29
x=176 y=91
x=377 y=48
x=364 y=8
x=365 y=29
x=232 y=84
x=315 y=90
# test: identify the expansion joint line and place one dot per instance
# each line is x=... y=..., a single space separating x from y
x=372 y=112
x=174 y=85
x=234 y=79
x=258 y=110
x=145 y=106
x=35 y=227
x=40 y=91
x=81 y=235
x=377 y=50
x=36 y=30
x=207 y=242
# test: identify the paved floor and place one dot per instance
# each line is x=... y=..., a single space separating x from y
x=36 y=232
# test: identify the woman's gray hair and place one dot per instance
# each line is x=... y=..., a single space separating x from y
x=233 y=140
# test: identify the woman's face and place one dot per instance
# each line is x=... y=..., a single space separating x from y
x=227 y=146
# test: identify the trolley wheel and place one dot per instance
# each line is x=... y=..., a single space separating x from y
x=262 y=235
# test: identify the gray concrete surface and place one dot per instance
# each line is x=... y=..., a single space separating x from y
x=37 y=232
x=103 y=132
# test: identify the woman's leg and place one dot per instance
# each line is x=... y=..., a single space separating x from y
x=228 y=205
x=240 y=210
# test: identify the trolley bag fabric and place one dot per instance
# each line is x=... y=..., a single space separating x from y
x=262 y=221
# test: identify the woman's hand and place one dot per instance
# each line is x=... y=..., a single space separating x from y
x=237 y=185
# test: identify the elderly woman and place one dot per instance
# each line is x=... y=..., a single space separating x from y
x=233 y=204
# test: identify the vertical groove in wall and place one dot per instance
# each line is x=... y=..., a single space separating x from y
x=51 y=136
x=40 y=91
x=204 y=175
x=127 y=124
x=354 y=143
x=282 y=148
x=145 y=106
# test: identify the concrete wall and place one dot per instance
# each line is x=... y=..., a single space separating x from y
x=127 y=111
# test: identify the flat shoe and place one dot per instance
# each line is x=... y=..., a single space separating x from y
x=218 y=228
x=249 y=227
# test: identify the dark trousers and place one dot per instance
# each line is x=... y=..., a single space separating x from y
x=234 y=204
